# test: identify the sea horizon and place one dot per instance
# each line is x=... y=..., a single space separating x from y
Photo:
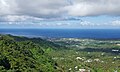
x=64 y=33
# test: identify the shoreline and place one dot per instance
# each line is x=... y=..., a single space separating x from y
x=43 y=37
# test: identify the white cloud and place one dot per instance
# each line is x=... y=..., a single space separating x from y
x=115 y=23
x=94 y=7
x=19 y=18
x=8 y=7
x=39 y=8
x=57 y=8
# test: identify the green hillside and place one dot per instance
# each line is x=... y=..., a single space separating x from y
x=21 y=54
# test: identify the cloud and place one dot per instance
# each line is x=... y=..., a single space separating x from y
x=8 y=7
x=38 y=8
x=60 y=24
x=58 y=13
x=18 y=18
x=94 y=7
x=115 y=23
x=59 y=8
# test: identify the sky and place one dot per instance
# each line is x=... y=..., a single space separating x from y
x=60 y=14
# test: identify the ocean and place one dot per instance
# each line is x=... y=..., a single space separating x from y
x=65 y=33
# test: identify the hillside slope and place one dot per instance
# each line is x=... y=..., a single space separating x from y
x=19 y=54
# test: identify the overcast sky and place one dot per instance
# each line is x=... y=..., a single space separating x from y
x=60 y=13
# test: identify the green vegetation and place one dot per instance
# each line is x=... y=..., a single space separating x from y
x=87 y=54
x=22 y=54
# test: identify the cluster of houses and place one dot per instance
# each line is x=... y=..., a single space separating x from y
x=89 y=60
x=80 y=70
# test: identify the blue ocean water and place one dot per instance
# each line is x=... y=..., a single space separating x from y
x=65 y=33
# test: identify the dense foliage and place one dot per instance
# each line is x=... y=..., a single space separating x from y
x=24 y=56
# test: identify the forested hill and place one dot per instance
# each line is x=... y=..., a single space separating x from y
x=21 y=54
x=41 y=42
